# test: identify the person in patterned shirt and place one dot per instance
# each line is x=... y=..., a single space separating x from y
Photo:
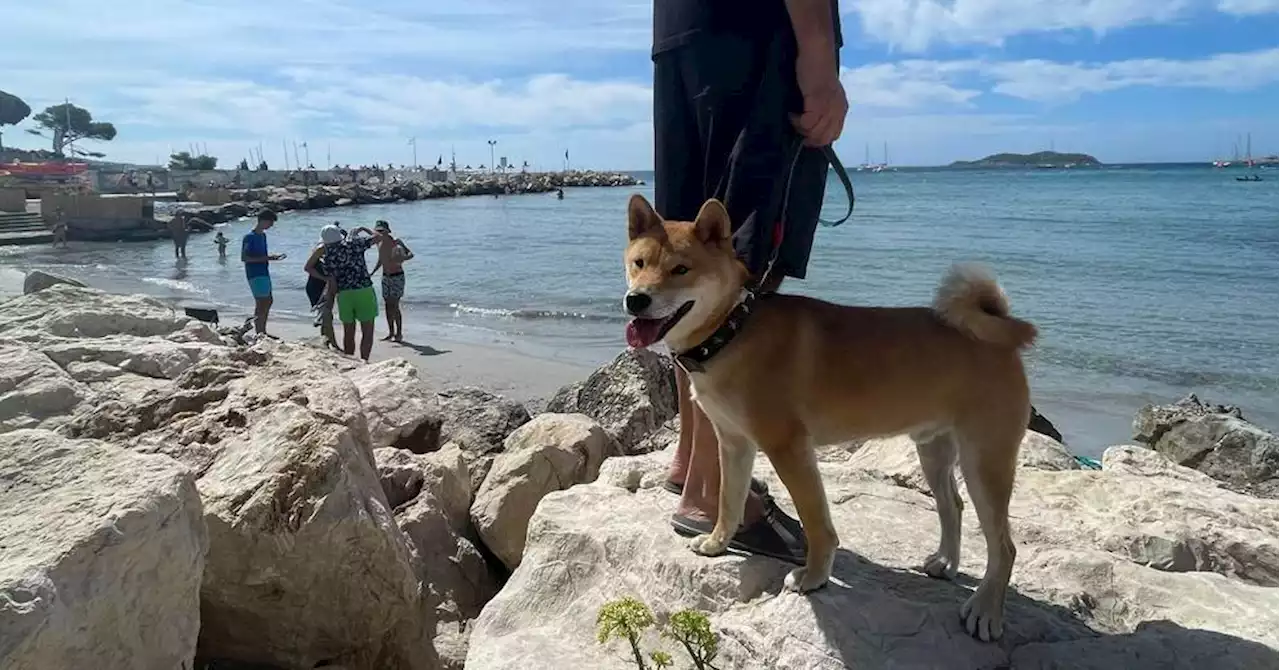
x=347 y=276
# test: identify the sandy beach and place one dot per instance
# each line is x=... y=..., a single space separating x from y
x=450 y=363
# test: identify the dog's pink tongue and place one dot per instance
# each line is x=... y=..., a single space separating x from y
x=643 y=332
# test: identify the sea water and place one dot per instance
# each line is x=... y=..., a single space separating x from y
x=1147 y=282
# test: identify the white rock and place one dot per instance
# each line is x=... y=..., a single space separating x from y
x=1073 y=603
x=400 y=409
x=550 y=453
x=306 y=563
x=34 y=391
x=101 y=555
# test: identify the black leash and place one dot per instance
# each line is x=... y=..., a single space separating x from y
x=780 y=229
x=694 y=359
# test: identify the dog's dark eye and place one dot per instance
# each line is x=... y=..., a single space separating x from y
x=679 y=270
x=639 y=262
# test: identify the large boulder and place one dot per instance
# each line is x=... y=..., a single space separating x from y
x=435 y=495
x=306 y=563
x=34 y=391
x=101 y=556
x=1214 y=439
x=1080 y=597
x=64 y=311
x=401 y=411
x=550 y=453
x=38 y=280
x=477 y=421
x=631 y=397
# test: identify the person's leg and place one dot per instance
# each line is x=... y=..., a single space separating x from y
x=696 y=122
x=386 y=298
x=260 y=307
x=348 y=338
x=393 y=316
x=367 y=314
x=366 y=338
x=266 y=312
x=326 y=320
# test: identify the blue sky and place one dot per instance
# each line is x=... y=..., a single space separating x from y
x=938 y=80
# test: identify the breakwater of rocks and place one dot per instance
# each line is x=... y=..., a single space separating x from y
x=246 y=202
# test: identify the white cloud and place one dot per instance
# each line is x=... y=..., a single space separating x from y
x=916 y=84
x=1043 y=81
x=906 y=84
x=1246 y=7
x=915 y=25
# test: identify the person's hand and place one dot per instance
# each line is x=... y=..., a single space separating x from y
x=825 y=104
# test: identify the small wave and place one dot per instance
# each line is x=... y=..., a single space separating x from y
x=176 y=284
x=536 y=314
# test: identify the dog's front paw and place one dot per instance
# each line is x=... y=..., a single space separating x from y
x=939 y=566
x=707 y=545
x=801 y=580
x=983 y=618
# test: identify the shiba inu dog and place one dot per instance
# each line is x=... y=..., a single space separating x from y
x=786 y=373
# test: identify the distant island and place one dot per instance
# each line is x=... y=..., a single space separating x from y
x=1040 y=159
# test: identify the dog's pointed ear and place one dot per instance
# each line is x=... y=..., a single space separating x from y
x=640 y=217
x=712 y=224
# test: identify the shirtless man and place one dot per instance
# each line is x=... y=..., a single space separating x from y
x=392 y=253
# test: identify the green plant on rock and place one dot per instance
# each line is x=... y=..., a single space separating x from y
x=627 y=619
x=692 y=630
x=624 y=619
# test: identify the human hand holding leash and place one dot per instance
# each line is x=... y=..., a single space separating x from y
x=825 y=104
x=817 y=73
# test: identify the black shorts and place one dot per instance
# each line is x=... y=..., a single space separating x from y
x=722 y=128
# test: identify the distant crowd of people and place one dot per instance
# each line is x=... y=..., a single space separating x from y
x=338 y=275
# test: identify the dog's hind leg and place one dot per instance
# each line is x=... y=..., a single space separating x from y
x=938 y=460
x=797 y=466
x=989 y=460
x=737 y=456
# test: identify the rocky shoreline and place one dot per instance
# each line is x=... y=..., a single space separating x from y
x=248 y=202
x=175 y=500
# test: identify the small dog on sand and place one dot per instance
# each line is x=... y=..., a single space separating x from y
x=785 y=373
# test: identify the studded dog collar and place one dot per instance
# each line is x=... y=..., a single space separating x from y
x=695 y=358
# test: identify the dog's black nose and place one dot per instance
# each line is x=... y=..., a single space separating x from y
x=637 y=302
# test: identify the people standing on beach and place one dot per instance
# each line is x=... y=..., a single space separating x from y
x=392 y=253
x=347 y=275
x=708 y=133
x=59 y=227
x=178 y=231
x=318 y=293
x=253 y=251
x=221 y=240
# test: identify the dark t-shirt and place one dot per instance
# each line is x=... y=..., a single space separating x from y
x=677 y=22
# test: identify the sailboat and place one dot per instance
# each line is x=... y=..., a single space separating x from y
x=885 y=165
x=866 y=161
x=1248 y=160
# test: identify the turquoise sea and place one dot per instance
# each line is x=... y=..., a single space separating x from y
x=1147 y=282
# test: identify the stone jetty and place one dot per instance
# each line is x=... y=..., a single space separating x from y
x=248 y=202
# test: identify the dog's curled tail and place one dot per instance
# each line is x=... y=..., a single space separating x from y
x=971 y=301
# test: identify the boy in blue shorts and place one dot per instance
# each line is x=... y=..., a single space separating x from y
x=253 y=251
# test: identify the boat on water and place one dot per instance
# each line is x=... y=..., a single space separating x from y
x=1251 y=177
